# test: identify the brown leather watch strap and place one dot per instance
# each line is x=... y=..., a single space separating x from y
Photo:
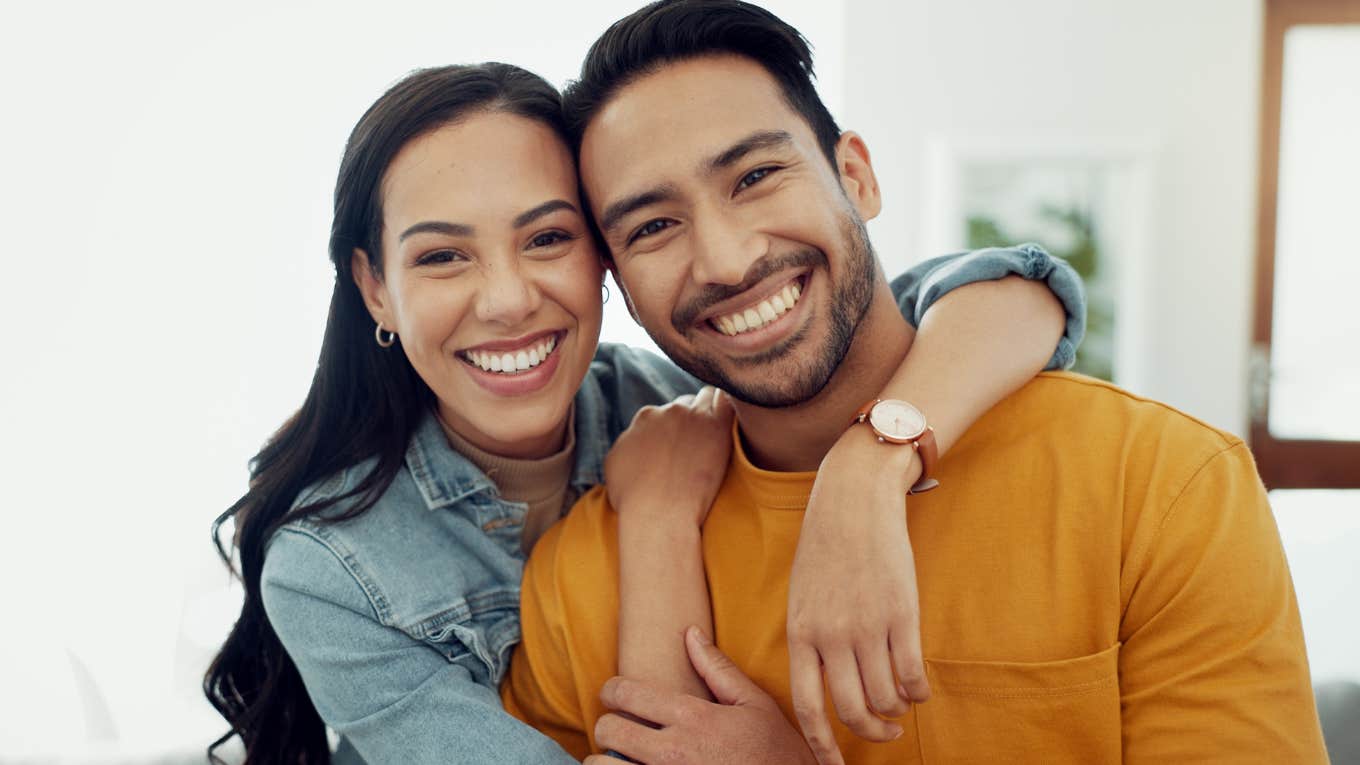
x=929 y=453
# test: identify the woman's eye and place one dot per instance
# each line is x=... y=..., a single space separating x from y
x=649 y=228
x=754 y=177
x=549 y=238
x=439 y=257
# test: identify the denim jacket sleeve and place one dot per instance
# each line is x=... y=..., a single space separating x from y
x=386 y=693
x=917 y=289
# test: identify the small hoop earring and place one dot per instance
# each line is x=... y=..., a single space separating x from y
x=378 y=335
x=604 y=287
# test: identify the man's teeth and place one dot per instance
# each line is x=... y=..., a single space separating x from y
x=511 y=363
x=760 y=314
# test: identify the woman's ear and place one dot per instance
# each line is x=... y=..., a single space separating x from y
x=857 y=175
x=372 y=288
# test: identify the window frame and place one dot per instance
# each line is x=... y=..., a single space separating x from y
x=1286 y=463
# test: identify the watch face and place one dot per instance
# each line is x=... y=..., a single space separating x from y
x=897 y=419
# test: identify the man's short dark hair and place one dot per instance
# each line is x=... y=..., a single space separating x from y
x=668 y=31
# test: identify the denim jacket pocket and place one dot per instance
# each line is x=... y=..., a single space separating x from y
x=479 y=637
x=1050 y=712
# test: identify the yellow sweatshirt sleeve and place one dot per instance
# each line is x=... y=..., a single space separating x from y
x=1212 y=667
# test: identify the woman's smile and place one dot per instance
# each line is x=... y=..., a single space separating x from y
x=515 y=367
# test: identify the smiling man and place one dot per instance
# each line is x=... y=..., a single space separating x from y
x=1101 y=577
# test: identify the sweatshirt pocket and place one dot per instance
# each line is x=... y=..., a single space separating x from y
x=1042 y=712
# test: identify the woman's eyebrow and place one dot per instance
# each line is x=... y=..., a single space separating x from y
x=436 y=227
x=525 y=218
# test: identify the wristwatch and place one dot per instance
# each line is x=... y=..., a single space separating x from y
x=897 y=422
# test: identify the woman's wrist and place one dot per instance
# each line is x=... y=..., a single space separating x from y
x=858 y=449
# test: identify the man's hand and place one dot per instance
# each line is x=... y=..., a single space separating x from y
x=746 y=725
x=853 y=607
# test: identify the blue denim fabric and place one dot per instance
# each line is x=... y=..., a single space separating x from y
x=402 y=621
x=918 y=288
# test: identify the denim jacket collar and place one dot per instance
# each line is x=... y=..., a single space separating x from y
x=445 y=478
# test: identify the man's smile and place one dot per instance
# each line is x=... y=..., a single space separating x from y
x=758 y=311
x=759 y=318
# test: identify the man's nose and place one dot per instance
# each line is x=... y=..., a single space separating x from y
x=508 y=296
x=725 y=249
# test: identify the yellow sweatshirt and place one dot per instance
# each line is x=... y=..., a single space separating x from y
x=1101 y=579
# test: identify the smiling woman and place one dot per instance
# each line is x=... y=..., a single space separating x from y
x=480 y=263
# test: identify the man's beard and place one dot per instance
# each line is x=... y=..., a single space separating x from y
x=849 y=303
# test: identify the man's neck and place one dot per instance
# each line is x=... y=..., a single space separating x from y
x=796 y=438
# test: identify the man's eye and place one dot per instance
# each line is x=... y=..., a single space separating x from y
x=754 y=177
x=439 y=257
x=549 y=238
x=649 y=228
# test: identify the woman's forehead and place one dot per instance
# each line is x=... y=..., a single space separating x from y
x=492 y=164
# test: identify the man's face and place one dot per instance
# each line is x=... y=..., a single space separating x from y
x=742 y=249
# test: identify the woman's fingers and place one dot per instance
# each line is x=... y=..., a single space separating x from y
x=809 y=703
x=880 y=687
x=703 y=400
x=847 y=693
x=904 y=641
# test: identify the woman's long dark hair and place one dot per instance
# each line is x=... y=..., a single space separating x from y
x=365 y=401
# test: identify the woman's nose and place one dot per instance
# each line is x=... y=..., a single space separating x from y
x=507 y=296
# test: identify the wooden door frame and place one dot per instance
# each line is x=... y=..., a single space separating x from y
x=1287 y=463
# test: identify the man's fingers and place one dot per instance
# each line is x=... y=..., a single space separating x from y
x=724 y=678
x=847 y=693
x=643 y=700
x=904 y=641
x=632 y=739
x=880 y=687
x=809 y=703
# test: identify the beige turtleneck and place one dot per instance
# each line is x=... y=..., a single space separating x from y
x=539 y=483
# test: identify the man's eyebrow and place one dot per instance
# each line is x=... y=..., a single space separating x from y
x=615 y=212
x=525 y=218
x=762 y=139
x=436 y=227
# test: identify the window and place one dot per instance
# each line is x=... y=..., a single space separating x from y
x=1305 y=393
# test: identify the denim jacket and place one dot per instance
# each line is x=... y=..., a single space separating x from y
x=402 y=621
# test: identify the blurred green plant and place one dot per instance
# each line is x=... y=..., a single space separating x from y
x=1095 y=356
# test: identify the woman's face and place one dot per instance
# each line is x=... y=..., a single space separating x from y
x=490 y=278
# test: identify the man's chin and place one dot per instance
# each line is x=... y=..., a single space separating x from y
x=770 y=386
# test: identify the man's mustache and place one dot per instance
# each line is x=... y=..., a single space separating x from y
x=683 y=317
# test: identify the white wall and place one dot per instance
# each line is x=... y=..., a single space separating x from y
x=1179 y=77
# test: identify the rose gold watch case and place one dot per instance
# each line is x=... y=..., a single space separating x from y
x=923 y=440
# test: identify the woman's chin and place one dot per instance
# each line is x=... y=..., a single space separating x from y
x=519 y=432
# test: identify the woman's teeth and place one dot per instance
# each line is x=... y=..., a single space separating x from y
x=515 y=362
x=760 y=314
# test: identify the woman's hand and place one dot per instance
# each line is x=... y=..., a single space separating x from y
x=853 y=607
x=672 y=458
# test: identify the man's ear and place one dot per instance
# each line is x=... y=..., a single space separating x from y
x=373 y=290
x=857 y=175
x=627 y=299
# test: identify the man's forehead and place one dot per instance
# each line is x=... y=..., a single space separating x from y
x=680 y=115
